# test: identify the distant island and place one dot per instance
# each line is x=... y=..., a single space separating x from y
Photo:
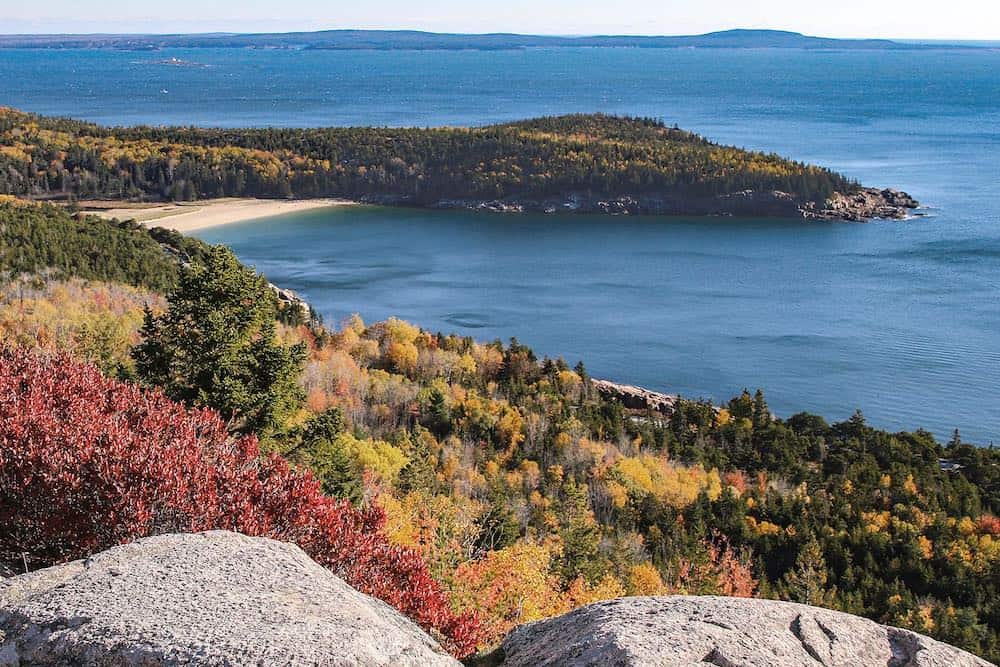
x=426 y=41
x=568 y=164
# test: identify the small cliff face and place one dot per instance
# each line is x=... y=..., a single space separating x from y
x=214 y=598
x=636 y=398
x=861 y=206
x=725 y=632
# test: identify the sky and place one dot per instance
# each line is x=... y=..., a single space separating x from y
x=914 y=19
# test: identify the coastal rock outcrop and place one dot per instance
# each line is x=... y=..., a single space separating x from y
x=725 y=632
x=213 y=598
x=860 y=206
x=865 y=204
x=290 y=299
x=636 y=398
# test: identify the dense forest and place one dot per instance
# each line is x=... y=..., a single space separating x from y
x=48 y=239
x=523 y=490
x=538 y=160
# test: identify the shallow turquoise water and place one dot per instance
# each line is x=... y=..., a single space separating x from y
x=899 y=319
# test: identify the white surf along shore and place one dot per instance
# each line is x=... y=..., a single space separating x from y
x=187 y=217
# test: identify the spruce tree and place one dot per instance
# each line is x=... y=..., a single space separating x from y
x=338 y=472
x=419 y=473
x=316 y=446
x=806 y=582
x=581 y=537
x=216 y=347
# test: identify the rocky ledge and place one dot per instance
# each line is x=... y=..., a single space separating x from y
x=636 y=398
x=214 y=598
x=291 y=300
x=222 y=599
x=725 y=632
x=861 y=206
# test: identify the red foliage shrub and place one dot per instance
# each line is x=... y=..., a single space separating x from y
x=738 y=480
x=988 y=524
x=734 y=569
x=87 y=463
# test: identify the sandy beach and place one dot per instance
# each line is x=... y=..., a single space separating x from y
x=191 y=216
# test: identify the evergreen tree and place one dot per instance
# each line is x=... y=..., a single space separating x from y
x=437 y=416
x=315 y=445
x=337 y=471
x=215 y=347
x=497 y=526
x=325 y=426
x=418 y=473
x=581 y=536
x=761 y=413
x=806 y=582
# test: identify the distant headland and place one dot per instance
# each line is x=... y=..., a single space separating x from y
x=565 y=164
x=389 y=40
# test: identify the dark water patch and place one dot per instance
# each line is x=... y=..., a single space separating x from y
x=468 y=320
x=946 y=251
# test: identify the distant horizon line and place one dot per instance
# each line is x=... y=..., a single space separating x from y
x=498 y=33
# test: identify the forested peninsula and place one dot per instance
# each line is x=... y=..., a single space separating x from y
x=567 y=164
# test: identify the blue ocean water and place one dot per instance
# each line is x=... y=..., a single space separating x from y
x=899 y=319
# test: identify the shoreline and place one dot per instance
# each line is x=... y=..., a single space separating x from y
x=865 y=205
x=186 y=217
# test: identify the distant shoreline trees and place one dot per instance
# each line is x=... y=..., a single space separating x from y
x=555 y=157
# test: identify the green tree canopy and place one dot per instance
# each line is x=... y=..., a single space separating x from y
x=215 y=347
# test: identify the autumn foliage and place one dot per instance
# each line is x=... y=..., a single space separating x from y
x=527 y=493
x=87 y=463
x=545 y=157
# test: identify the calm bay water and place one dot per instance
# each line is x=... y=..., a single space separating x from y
x=901 y=320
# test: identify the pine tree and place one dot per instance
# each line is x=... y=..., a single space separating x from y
x=806 y=582
x=419 y=473
x=338 y=472
x=498 y=528
x=581 y=536
x=315 y=445
x=215 y=347
x=437 y=417
x=761 y=413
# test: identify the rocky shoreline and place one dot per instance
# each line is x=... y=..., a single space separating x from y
x=864 y=205
x=637 y=399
